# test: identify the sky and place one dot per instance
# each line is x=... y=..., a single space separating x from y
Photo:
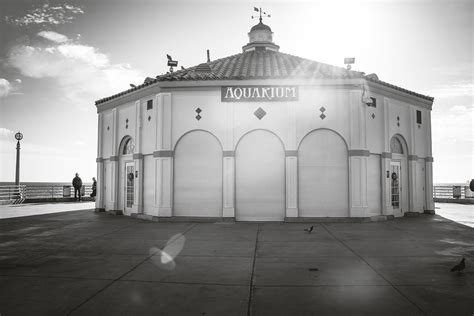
x=58 y=57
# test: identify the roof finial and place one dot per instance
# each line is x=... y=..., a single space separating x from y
x=260 y=11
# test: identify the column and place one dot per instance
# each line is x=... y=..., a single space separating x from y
x=115 y=181
x=358 y=156
x=138 y=160
x=228 y=164
x=138 y=201
x=291 y=183
x=412 y=159
x=386 y=157
x=99 y=198
x=163 y=157
x=114 y=162
x=358 y=160
x=228 y=174
x=430 y=208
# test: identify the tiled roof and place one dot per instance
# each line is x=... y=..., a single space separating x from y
x=257 y=64
x=260 y=64
x=399 y=88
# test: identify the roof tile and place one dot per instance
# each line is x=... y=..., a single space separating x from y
x=260 y=64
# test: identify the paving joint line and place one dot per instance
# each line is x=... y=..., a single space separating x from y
x=251 y=285
x=380 y=274
x=117 y=279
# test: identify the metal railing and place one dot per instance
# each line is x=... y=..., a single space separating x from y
x=13 y=193
x=19 y=193
x=452 y=191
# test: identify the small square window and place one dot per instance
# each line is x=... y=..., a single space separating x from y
x=418 y=117
x=149 y=104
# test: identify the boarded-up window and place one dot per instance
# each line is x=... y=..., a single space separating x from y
x=418 y=117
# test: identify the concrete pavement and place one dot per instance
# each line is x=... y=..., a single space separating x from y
x=29 y=209
x=86 y=263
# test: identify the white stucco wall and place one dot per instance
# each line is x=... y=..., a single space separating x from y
x=174 y=115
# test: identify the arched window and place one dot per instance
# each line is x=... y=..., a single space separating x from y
x=128 y=147
x=396 y=146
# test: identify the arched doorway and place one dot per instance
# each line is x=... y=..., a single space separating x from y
x=323 y=175
x=260 y=177
x=399 y=175
x=198 y=175
x=126 y=193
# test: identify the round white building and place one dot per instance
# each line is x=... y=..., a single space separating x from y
x=265 y=136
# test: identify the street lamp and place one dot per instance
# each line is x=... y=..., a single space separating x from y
x=18 y=137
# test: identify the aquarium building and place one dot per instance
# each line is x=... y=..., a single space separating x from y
x=265 y=136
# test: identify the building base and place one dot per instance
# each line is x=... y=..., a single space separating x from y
x=412 y=214
x=115 y=212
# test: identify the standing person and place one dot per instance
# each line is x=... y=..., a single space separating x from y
x=77 y=184
x=94 y=187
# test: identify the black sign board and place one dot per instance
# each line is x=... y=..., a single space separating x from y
x=172 y=63
x=259 y=93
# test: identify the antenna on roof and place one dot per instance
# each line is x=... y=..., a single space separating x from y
x=348 y=61
x=260 y=11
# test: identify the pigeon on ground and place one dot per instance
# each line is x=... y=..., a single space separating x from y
x=309 y=230
x=460 y=266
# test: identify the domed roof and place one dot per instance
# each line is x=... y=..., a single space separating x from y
x=260 y=26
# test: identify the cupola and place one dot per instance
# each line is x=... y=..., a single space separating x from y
x=260 y=38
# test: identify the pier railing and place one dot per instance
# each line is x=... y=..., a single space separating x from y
x=14 y=194
x=452 y=193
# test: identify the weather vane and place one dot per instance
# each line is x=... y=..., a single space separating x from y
x=261 y=12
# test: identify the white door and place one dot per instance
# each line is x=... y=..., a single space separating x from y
x=129 y=187
x=198 y=176
x=323 y=175
x=260 y=178
x=396 y=188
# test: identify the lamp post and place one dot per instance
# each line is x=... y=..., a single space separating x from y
x=18 y=137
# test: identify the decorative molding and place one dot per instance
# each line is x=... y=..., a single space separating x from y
x=387 y=155
x=359 y=152
x=412 y=157
x=228 y=153
x=98 y=160
x=163 y=153
x=429 y=159
x=291 y=153
x=137 y=156
x=114 y=158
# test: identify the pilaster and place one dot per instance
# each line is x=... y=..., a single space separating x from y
x=291 y=184
x=138 y=201
x=412 y=159
x=100 y=198
x=358 y=161
x=228 y=174
x=163 y=157
x=386 y=157
x=429 y=185
x=114 y=161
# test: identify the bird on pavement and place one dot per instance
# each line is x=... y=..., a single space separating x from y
x=460 y=266
x=309 y=230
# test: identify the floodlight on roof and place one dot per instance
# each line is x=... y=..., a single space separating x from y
x=348 y=61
